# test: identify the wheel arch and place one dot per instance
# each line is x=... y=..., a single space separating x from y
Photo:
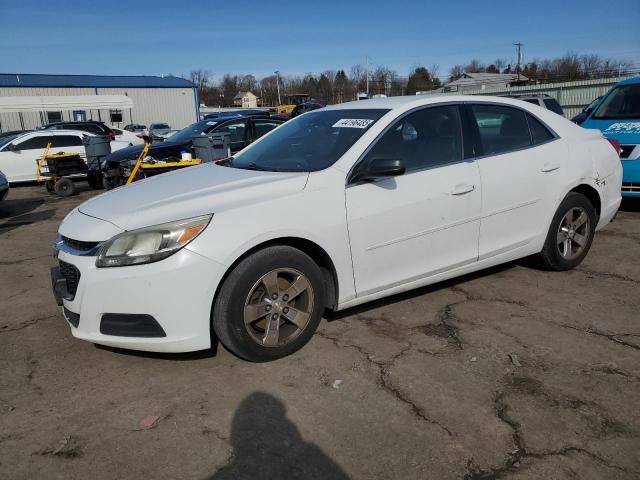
x=315 y=251
x=592 y=195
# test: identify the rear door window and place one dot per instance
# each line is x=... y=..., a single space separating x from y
x=553 y=105
x=502 y=129
x=263 y=127
x=34 y=143
x=235 y=129
x=59 y=141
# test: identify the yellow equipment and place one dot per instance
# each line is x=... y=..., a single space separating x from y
x=292 y=102
x=157 y=167
x=54 y=168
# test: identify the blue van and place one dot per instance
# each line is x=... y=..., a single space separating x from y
x=617 y=116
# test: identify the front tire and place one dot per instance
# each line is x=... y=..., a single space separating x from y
x=570 y=234
x=270 y=305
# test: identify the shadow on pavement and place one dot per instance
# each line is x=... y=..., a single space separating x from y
x=25 y=219
x=630 y=205
x=330 y=316
x=175 y=357
x=268 y=445
x=15 y=207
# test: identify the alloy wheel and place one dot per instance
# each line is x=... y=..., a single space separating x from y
x=278 y=307
x=573 y=233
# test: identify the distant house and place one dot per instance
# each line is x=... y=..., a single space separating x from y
x=480 y=81
x=245 y=100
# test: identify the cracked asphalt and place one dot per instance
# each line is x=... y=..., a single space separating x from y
x=510 y=373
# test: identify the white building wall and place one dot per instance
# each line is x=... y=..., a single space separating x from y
x=176 y=106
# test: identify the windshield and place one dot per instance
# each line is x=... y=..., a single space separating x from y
x=161 y=126
x=310 y=142
x=186 y=133
x=622 y=102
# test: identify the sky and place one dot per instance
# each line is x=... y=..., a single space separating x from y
x=155 y=37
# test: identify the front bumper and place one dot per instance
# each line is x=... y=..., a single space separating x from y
x=176 y=292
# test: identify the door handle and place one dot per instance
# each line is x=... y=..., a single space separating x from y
x=462 y=188
x=550 y=167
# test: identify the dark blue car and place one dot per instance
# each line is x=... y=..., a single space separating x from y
x=242 y=130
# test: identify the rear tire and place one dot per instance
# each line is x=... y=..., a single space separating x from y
x=570 y=234
x=64 y=187
x=95 y=180
x=50 y=186
x=270 y=305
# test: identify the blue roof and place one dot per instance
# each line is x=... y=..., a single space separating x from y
x=630 y=80
x=91 y=81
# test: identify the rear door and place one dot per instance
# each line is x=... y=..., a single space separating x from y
x=70 y=143
x=520 y=176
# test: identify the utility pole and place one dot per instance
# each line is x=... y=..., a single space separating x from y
x=367 y=77
x=277 y=72
x=519 y=45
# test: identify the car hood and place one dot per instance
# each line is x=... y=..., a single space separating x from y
x=190 y=192
x=158 y=150
x=624 y=131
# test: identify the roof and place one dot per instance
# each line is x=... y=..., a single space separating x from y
x=479 y=78
x=91 y=81
x=46 y=103
x=630 y=81
x=411 y=101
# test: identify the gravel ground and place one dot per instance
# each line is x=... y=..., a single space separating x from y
x=510 y=373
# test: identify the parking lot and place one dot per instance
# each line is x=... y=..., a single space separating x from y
x=510 y=373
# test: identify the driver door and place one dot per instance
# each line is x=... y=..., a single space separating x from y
x=409 y=227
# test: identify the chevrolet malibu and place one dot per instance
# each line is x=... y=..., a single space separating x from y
x=333 y=209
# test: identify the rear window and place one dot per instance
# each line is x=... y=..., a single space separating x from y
x=553 y=105
x=622 y=103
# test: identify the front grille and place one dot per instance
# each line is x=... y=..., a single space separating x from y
x=72 y=275
x=79 y=244
x=625 y=150
x=630 y=187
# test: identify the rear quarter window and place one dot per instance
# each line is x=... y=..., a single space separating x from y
x=539 y=133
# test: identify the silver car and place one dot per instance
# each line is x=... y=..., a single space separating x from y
x=159 y=131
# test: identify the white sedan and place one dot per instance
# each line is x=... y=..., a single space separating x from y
x=19 y=156
x=335 y=208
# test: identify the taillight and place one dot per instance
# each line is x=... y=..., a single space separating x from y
x=112 y=135
x=616 y=145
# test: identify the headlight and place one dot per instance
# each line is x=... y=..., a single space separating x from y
x=150 y=244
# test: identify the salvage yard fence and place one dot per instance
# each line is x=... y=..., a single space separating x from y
x=572 y=96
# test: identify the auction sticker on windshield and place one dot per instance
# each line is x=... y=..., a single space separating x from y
x=353 y=123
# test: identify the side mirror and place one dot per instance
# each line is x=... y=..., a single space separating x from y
x=379 y=167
